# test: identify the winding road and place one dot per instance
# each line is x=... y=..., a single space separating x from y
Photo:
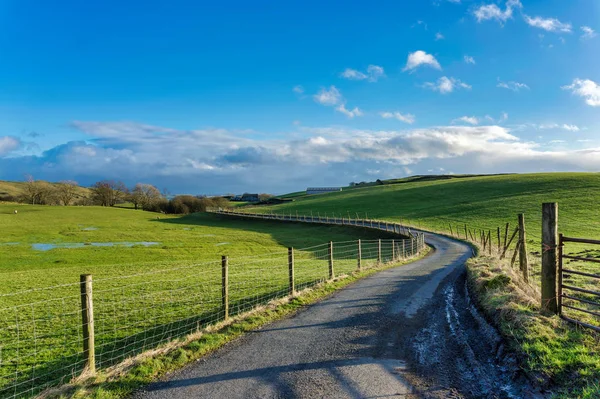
x=406 y=332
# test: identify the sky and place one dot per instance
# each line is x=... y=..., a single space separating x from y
x=269 y=96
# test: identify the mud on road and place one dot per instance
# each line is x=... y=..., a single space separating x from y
x=406 y=332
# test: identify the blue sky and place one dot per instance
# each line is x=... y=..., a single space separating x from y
x=274 y=96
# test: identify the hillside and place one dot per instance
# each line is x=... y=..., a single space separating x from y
x=15 y=189
x=481 y=202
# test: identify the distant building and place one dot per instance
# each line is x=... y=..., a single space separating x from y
x=322 y=190
x=250 y=197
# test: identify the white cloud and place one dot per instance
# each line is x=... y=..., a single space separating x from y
x=420 y=23
x=588 y=33
x=492 y=11
x=329 y=97
x=439 y=36
x=349 y=113
x=548 y=24
x=374 y=72
x=550 y=126
x=8 y=144
x=467 y=119
x=571 y=128
x=514 y=86
x=469 y=59
x=298 y=89
x=235 y=161
x=446 y=85
x=504 y=117
x=419 y=58
x=406 y=118
x=588 y=89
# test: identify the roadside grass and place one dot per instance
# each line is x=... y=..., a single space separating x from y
x=555 y=355
x=134 y=373
x=554 y=351
x=143 y=296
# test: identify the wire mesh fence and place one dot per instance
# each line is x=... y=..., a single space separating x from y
x=43 y=336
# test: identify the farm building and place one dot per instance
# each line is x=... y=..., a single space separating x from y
x=250 y=197
x=322 y=190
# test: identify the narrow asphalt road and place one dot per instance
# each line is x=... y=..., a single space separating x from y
x=388 y=335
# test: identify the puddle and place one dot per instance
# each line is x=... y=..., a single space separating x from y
x=222 y=243
x=48 y=247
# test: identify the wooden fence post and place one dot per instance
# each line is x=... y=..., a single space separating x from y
x=514 y=257
x=451 y=233
x=393 y=250
x=466 y=234
x=225 y=286
x=87 y=319
x=499 y=243
x=505 y=235
x=291 y=270
x=359 y=255
x=379 y=251
x=331 y=273
x=523 y=263
x=489 y=241
x=509 y=242
x=549 y=259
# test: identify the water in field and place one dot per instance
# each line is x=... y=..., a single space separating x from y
x=69 y=245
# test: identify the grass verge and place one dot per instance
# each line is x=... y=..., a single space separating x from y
x=121 y=380
x=558 y=357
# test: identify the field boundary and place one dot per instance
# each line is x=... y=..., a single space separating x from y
x=73 y=331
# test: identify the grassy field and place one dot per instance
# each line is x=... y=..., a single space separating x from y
x=551 y=349
x=156 y=278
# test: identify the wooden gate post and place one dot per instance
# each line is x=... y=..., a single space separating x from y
x=549 y=259
x=359 y=255
x=379 y=251
x=225 y=286
x=331 y=273
x=291 y=270
x=87 y=320
x=523 y=263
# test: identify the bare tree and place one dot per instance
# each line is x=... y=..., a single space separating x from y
x=66 y=191
x=145 y=195
x=37 y=192
x=109 y=192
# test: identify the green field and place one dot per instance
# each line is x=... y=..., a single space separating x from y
x=156 y=278
x=551 y=350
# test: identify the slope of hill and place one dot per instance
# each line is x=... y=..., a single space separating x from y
x=12 y=189
x=480 y=202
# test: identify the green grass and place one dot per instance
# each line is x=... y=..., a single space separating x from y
x=143 y=296
x=146 y=369
x=562 y=353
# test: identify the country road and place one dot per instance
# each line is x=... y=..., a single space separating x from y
x=407 y=332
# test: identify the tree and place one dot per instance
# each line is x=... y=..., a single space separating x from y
x=37 y=192
x=146 y=196
x=66 y=191
x=109 y=192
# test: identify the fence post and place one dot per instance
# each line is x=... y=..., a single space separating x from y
x=523 y=264
x=291 y=270
x=358 y=260
x=451 y=233
x=404 y=249
x=560 y=274
x=225 y=286
x=393 y=250
x=379 y=251
x=549 y=259
x=466 y=234
x=331 y=273
x=87 y=319
x=499 y=243
x=489 y=241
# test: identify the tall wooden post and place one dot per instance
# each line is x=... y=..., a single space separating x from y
x=499 y=243
x=549 y=258
x=291 y=270
x=393 y=250
x=331 y=273
x=379 y=251
x=489 y=241
x=87 y=320
x=505 y=236
x=225 y=286
x=523 y=263
x=359 y=255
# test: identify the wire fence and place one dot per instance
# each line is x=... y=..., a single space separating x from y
x=53 y=335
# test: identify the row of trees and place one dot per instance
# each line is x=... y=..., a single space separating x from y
x=110 y=193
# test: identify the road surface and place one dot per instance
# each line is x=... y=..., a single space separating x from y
x=406 y=332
